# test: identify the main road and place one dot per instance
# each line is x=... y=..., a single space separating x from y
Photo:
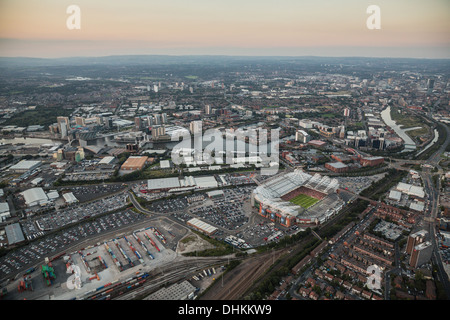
x=433 y=191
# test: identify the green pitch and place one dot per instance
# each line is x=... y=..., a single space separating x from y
x=304 y=201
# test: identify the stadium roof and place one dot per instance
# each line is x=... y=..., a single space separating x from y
x=271 y=191
x=14 y=233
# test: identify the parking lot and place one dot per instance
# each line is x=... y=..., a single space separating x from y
x=263 y=231
x=236 y=178
x=227 y=211
x=51 y=244
x=40 y=225
x=169 y=205
x=88 y=193
x=358 y=184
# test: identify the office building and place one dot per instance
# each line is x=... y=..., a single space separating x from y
x=421 y=254
x=195 y=127
x=415 y=239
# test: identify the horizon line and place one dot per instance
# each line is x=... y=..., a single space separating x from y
x=217 y=55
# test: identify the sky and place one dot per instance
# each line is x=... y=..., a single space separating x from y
x=409 y=28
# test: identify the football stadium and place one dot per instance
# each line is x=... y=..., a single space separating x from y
x=298 y=198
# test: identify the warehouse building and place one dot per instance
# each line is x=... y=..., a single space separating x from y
x=134 y=163
x=163 y=184
x=411 y=190
x=337 y=167
x=215 y=194
x=4 y=211
x=25 y=166
x=70 y=198
x=180 y=184
x=35 y=196
x=107 y=160
x=202 y=226
x=164 y=164
x=395 y=195
x=14 y=233
x=179 y=291
x=371 y=161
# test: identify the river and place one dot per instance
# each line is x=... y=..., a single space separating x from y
x=409 y=143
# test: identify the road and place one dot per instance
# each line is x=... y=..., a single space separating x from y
x=433 y=192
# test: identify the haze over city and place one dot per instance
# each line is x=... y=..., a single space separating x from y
x=415 y=28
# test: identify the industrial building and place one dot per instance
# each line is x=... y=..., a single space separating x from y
x=337 y=167
x=35 y=196
x=164 y=164
x=106 y=160
x=163 y=184
x=395 y=195
x=371 y=161
x=24 y=166
x=179 y=291
x=317 y=143
x=134 y=163
x=202 y=226
x=174 y=184
x=4 y=211
x=14 y=233
x=411 y=190
x=70 y=198
x=215 y=194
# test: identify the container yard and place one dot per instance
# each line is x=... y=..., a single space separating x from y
x=107 y=269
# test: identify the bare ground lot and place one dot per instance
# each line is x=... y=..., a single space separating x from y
x=192 y=242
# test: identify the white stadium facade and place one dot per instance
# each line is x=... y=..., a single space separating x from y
x=273 y=198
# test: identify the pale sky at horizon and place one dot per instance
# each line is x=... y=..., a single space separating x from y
x=409 y=28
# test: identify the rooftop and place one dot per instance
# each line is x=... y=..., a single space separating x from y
x=14 y=233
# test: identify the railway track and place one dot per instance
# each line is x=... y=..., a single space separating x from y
x=237 y=282
x=144 y=283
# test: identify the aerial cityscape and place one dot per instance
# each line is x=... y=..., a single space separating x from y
x=262 y=177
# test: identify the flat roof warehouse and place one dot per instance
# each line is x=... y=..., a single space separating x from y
x=134 y=163
x=202 y=226
x=164 y=184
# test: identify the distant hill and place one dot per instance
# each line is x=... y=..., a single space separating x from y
x=203 y=59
